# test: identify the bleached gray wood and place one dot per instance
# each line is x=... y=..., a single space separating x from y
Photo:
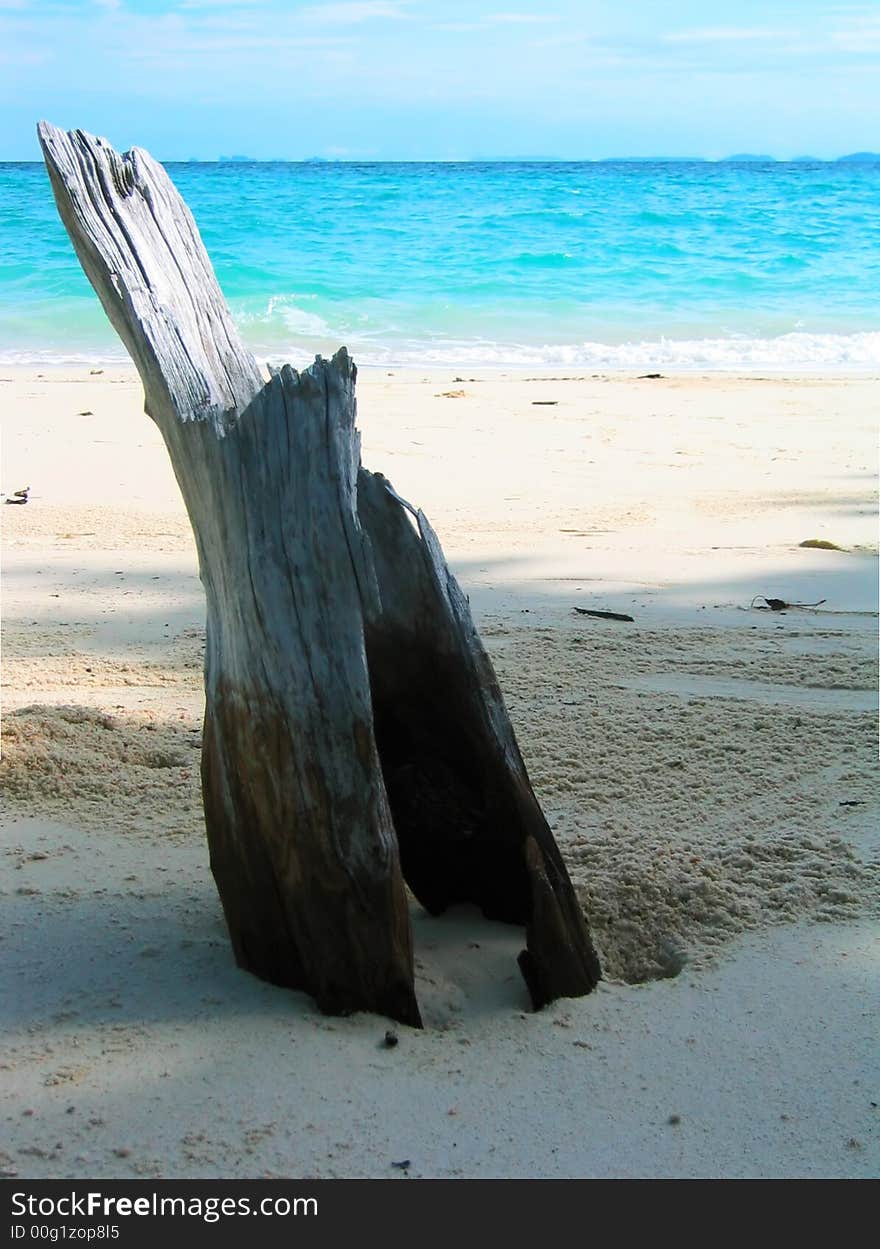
x=329 y=739
x=469 y=826
x=301 y=840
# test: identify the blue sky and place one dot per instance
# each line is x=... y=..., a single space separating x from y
x=458 y=79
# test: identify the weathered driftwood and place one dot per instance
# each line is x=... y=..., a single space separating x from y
x=355 y=735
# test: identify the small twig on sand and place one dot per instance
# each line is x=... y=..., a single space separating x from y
x=604 y=615
x=778 y=604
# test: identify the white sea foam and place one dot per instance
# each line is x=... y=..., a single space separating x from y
x=58 y=357
x=307 y=334
x=281 y=314
x=798 y=351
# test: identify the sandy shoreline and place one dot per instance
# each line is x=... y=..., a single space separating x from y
x=710 y=772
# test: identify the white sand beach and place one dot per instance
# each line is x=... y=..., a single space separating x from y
x=709 y=770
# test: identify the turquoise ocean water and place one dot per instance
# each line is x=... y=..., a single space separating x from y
x=585 y=265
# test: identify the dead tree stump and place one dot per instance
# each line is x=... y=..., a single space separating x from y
x=355 y=735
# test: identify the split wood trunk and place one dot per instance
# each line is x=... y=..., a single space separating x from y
x=355 y=735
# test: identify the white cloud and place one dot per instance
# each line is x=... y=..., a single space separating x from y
x=354 y=12
x=217 y=44
x=215 y=4
x=521 y=18
x=859 y=35
x=725 y=34
x=17 y=57
x=457 y=26
x=497 y=19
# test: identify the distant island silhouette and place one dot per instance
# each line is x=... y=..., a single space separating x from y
x=756 y=158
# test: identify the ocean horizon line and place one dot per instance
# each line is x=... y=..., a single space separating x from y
x=744 y=158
